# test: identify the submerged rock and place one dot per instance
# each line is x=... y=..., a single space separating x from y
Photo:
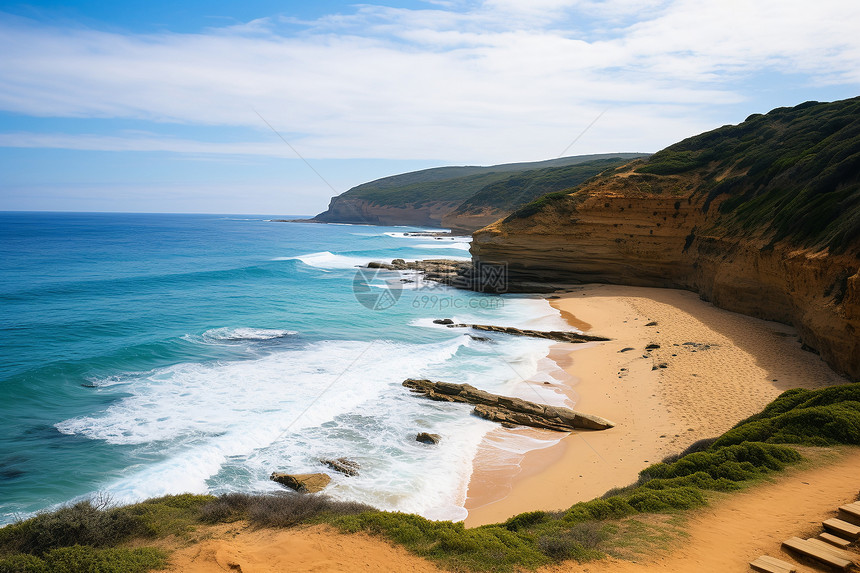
x=426 y=438
x=445 y=321
x=508 y=411
x=302 y=483
x=343 y=465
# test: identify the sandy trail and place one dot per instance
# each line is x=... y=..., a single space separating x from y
x=729 y=534
x=318 y=549
x=720 y=367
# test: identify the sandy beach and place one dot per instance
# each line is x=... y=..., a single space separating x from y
x=712 y=369
x=720 y=368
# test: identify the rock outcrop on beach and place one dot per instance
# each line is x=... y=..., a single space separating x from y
x=557 y=335
x=508 y=411
x=302 y=483
x=461 y=198
x=761 y=218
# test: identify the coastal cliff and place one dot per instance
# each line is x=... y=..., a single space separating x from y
x=361 y=211
x=761 y=218
x=462 y=199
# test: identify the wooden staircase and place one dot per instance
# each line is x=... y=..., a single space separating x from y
x=832 y=548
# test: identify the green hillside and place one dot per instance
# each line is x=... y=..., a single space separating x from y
x=515 y=190
x=795 y=170
x=791 y=173
x=452 y=184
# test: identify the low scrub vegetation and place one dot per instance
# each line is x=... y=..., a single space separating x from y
x=794 y=172
x=91 y=537
x=523 y=188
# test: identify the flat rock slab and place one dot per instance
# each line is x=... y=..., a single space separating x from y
x=302 y=483
x=506 y=410
x=345 y=466
x=558 y=335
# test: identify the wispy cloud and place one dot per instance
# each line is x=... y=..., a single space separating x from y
x=499 y=80
x=154 y=142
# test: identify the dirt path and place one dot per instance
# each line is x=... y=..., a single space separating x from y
x=726 y=536
x=317 y=549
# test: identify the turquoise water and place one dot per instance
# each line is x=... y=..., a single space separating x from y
x=149 y=354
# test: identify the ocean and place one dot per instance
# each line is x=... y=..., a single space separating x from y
x=152 y=354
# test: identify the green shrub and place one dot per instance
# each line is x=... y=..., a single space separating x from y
x=80 y=524
x=811 y=417
x=85 y=559
x=23 y=563
x=525 y=520
x=655 y=501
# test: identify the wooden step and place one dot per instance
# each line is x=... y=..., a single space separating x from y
x=834 y=550
x=812 y=551
x=834 y=540
x=768 y=564
x=842 y=528
x=850 y=511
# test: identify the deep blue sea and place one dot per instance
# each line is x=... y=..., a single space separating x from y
x=147 y=354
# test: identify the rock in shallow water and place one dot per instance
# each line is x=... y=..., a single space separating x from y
x=302 y=483
x=426 y=438
x=507 y=410
x=345 y=466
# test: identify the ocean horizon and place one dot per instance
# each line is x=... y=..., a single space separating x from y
x=153 y=354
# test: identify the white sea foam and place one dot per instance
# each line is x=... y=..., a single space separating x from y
x=443 y=245
x=528 y=313
x=327 y=260
x=226 y=426
x=239 y=334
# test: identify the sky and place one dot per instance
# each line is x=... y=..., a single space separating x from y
x=271 y=107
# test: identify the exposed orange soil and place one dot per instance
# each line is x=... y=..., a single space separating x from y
x=316 y=549
x=726 y=536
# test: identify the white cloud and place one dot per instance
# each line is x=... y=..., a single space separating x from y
x=504 y=80
x=91 y=142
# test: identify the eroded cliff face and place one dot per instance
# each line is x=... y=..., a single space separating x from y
x=362 y=212
x=626 y=230
x=466 y=223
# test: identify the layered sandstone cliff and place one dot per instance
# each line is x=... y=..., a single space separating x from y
x=782 y=246
x=359 y=211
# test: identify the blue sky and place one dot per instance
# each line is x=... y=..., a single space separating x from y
x=159 y=106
